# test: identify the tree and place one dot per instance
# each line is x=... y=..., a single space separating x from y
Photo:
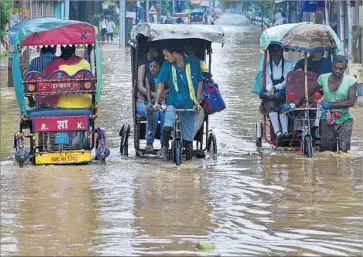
x=4 y=16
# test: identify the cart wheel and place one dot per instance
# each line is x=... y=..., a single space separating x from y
x=177 y=152
x=212 y=143
x=308 y=146
x=124 y=145
x=21 y=164
x=121 y=135
x=259 y=134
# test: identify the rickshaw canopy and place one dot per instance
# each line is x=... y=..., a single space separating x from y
x=156 y=32
x=278 y=33
x=52 y=31
x=197 y=11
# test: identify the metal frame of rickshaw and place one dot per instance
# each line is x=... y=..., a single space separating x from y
x=139 y=47
x=306 y=143
x=294 y=143
x=35 y=33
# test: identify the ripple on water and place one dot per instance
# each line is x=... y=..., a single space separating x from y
x=246 y=201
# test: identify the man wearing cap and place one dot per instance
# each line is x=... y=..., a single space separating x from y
x=274 y=95
x=184 y=76
x=339 y=95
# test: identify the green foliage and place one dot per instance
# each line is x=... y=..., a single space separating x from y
x=4 y=16
x=3 y=55
x=165 y=8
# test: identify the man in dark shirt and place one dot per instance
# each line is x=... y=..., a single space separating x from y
x=316 y=63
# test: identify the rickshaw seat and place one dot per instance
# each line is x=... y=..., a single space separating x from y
x=295 y=83
x=54 y=112
x=139 y=118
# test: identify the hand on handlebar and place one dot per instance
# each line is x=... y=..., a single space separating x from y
x=197 y=107
x=157 y=107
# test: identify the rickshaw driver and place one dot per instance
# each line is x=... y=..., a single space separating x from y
x=339 y=95
x=185 y=79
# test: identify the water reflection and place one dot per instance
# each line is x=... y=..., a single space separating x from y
x=245 y=202
x=55 y=211
x=172 y=211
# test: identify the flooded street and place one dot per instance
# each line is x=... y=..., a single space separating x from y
x=246 y=202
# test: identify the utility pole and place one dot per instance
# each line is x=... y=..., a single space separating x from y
x=122 y=23
x=173 y=6
x=341 y=24
x=147 y=10
x=327 y=22
x=350 y=32
x=66 y=9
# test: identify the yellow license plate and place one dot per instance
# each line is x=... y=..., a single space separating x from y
x=69 y=157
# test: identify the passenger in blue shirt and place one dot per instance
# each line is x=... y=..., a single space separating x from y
x=316 y=63
x=47 y=54
x=184 y=93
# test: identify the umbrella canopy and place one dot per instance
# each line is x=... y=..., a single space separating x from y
x=305 y=34
x=311 y=37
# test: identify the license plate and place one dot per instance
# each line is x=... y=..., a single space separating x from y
x=78 y=156
x=61 y=138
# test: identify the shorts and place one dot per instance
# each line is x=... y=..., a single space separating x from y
x=336 y=136
x=187 y=119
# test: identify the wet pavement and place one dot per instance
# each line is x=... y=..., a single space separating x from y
x=245 y=202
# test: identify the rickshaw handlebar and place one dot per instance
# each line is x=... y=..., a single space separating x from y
x=164 y=108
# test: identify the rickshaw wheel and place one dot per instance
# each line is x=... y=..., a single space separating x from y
x=259 y=129
x=121 y=135
x=124 y=145
x=21 y=164
x=177 y=152
x=308 y=146
x=212 y=143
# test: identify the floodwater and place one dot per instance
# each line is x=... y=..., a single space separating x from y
x=245 y=202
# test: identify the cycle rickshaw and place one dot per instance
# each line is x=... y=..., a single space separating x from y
x=61 y=128
x=306 y=38
x=145 y=36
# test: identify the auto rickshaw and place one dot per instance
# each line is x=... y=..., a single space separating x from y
x=61 y=128
x=145 y=36
x=302 y=37
x=197 y=17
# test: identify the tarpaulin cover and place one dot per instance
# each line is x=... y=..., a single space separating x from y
x=51 y=31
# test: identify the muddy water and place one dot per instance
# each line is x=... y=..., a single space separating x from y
x=244 y=202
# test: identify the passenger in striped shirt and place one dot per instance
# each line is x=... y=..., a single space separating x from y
x=47 y=54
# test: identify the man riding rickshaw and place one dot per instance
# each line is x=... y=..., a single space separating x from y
x=183 y=75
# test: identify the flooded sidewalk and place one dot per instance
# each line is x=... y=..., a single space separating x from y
x=245 y=202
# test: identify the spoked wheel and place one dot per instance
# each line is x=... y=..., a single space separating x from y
x=307 y=146
x=177 y=152
x=259 y=133
x=124 y=144
x=212 y=143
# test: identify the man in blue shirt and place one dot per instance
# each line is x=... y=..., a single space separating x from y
x=46 y=55
x=184 y=76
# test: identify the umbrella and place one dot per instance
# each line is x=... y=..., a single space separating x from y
x=310 y=37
